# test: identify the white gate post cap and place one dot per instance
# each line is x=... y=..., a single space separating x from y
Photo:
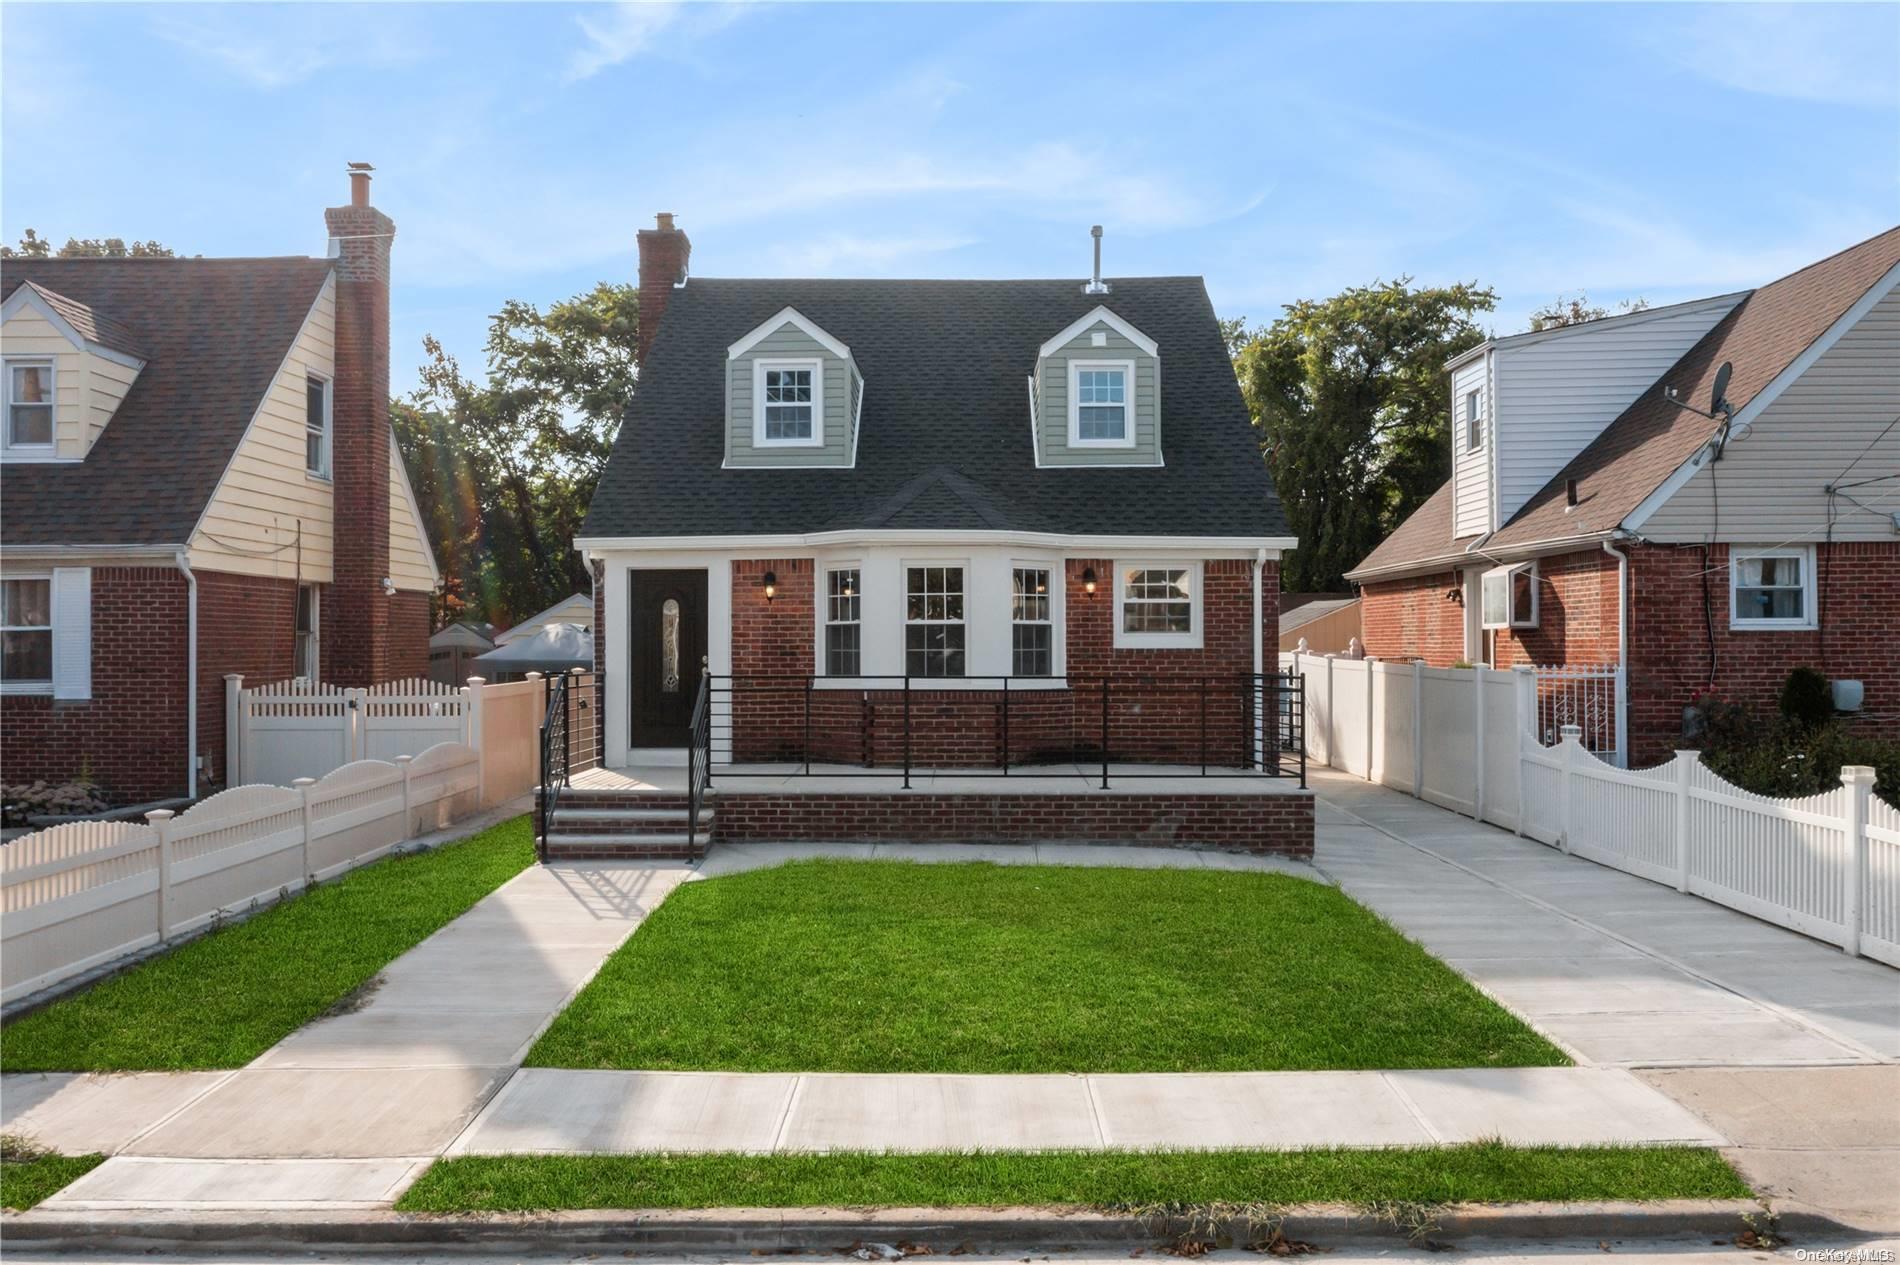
x=1857 y=775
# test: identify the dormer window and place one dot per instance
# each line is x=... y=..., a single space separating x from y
x=1474 y=421
x=1098 y=403
x=787 y=394
x=29 y=388
x=316 y=426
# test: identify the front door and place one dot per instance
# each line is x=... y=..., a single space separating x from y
x=668 y=627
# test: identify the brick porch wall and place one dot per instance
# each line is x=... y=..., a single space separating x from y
x=1158 y=710
x=1262 y=824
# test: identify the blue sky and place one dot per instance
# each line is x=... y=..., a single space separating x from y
x=1282 y=151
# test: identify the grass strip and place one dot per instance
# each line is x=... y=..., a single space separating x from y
x=885 y=966
x=224 y=998
x=1485 y=1172
x=29 y=1174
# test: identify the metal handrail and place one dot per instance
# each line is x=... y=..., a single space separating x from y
x=698 y=757
x=1271 y=720
x=554 y=758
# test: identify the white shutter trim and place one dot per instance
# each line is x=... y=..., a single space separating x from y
x=72 y=632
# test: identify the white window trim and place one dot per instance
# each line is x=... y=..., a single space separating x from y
x=1809 y=616
x=905 y=622
x=1528 y=568
x=51 y=446
x=1189 y=640
x=328 y=472
x=1076 y=368
x=817 y=367
x=40 y=688
x=822 y=657
x=1472 y=416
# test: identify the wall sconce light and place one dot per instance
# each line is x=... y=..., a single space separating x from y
x=771 y=585
x=1088 y=580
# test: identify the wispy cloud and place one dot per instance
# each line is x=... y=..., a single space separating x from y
x=273 y=47
x=864 y=254
x=1840 y=55
x=621 y=32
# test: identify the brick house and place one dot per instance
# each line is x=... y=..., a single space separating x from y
x=948 y=525
x=1605 y=508
x=199 y=477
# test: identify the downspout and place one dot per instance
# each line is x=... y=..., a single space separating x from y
x=1260 y=653
x=191 y=675
x=1622 y=650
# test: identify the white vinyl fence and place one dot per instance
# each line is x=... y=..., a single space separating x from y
x=81 y=895
x=291 y=729
x=1469 y=739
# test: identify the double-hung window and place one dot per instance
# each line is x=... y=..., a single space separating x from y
x=1031 y=631
x=1158 y=605
x=316 y=425
x=844 y=647
x=26 y=634
x=1771 y=588
x=790 y=401
x=1101 y=401
x=1474 y=421
x=29 y=422
x=933 y=621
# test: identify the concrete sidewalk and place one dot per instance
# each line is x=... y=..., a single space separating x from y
x=582 y=1112
x=1617 y=970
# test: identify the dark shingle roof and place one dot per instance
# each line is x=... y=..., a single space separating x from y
x=945 y=439
x=88 y=324
x=1764 y=334
x=212 y=333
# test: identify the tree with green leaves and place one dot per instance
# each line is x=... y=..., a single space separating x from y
x=33 y=246
x=504 y=468
x=1352 y=402
x=1564 y=310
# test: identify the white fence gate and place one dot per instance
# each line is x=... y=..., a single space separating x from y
x=1471 y=739
x=278 y=732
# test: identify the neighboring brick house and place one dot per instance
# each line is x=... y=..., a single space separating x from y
x=199 y=478
x=829 y=490
x=1603 y=508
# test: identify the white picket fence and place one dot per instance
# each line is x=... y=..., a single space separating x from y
x=81 y=895
x=1468 y=739
x=291 y=729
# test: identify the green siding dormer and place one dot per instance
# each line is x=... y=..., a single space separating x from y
x=1097 y=395
x=793 y=394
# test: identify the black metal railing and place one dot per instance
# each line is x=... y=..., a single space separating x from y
x=698 y=757
x=893 y=726
x=555 y=751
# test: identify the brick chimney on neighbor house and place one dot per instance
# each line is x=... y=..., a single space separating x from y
x=664 y=252
x=356 y=636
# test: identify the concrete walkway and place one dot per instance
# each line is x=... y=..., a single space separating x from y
x=1617 y=970
x=344 y=1111
x=581 y=1112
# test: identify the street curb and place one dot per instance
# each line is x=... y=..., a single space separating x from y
x=832 y=1229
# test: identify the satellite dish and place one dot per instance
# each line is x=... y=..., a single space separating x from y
x=1718 y=398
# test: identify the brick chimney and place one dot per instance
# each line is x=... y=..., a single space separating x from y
x=356 y=637
x=664 y=252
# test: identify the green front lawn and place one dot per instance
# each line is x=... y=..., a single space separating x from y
x=223 y=999
x=29 y=1174
x=1479 y=1173
x=850 y=966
